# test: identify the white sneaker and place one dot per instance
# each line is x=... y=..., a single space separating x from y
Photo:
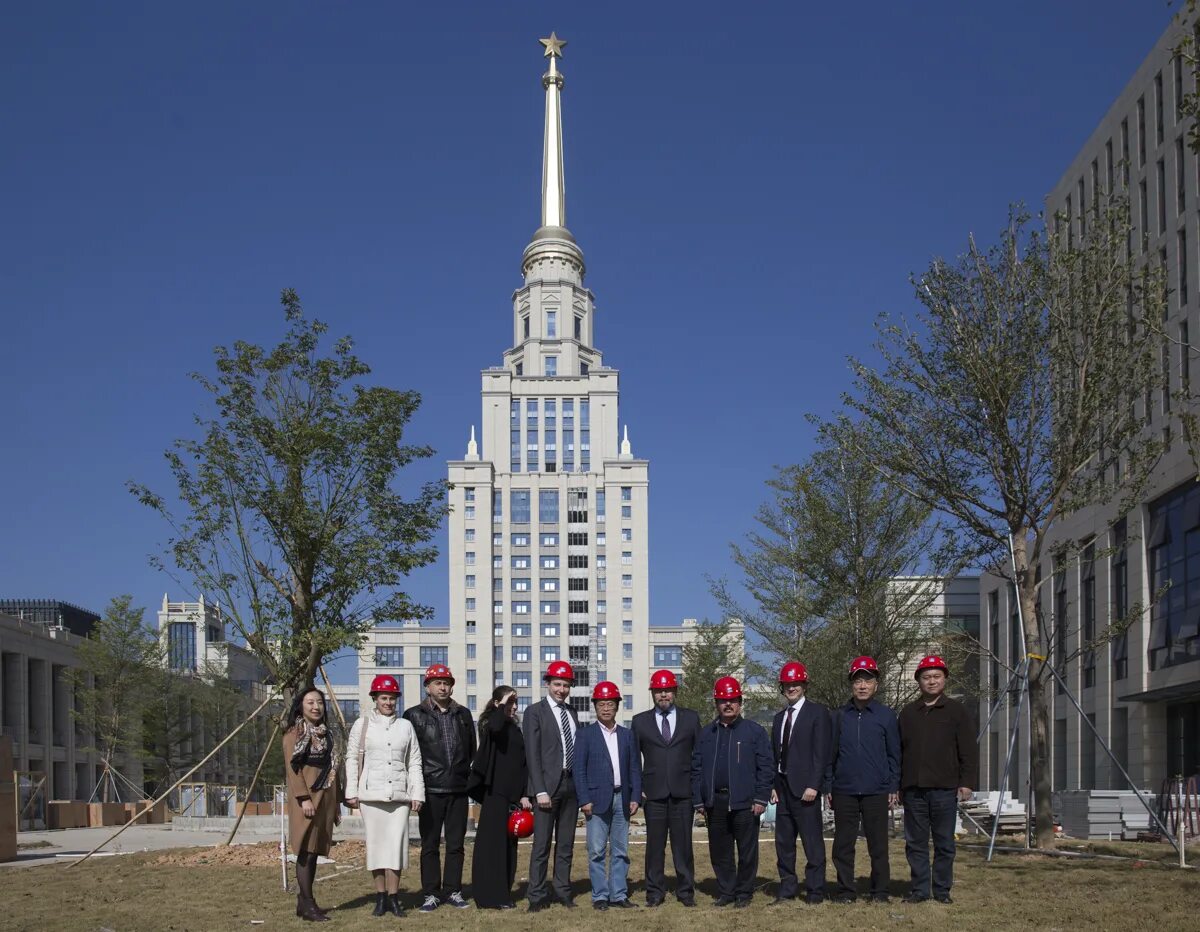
x=431 y=903
x=456 y=900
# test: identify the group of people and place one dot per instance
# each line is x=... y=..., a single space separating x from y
x=861 y=757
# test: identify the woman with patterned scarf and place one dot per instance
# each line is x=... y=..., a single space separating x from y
x=314 y=792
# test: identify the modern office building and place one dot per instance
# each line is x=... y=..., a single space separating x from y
x=1141 y=690
x=548 y=525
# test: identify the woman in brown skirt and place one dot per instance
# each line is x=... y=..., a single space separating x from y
x=314 y=793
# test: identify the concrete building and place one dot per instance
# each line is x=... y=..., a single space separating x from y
x=1142 y=690
x=38 y=641
x=548 y=526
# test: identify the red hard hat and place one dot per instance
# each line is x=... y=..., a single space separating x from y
x=663 y=679
x=606 y=690
x=520 y=823
x=559 y=670
x=384 y=684
x=727 y=688
x=793 y=672
x=439 y=671
x=932 y=662
x=864 y=663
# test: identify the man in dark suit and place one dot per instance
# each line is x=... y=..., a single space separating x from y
x=665 y=737
x=608 y=785
x=549 y=730
x=802 y=738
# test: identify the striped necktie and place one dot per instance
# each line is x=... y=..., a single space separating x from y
x=568 y=741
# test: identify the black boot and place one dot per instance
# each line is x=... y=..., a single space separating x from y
x=394 y=898
x=382 y=906
x=307 y=910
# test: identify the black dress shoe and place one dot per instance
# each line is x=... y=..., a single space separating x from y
x=687 y=903
x=741 y=904
x=397 y=906
x=943 y=898
x=814 y=899
x=781 y=898
x=723 y=901
x=622 y=904
x=652 y=903
x=569 y=904
x=915 y=898
x=600 y=904
x=382 y=906
x=538 y=907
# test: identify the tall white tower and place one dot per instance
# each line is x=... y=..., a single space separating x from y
x=548 y=531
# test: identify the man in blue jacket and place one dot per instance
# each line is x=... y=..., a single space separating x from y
x=731 y=780
x=608 y=784
x=865 y=781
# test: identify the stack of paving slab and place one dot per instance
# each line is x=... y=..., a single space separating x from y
x=1102 y=814
x=982 y=807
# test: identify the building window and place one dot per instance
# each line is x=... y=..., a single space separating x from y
x=471 y=600
x=525 y=326
x=469 y=535
x=626 y=581
x=550 y=585
x=627 y=677
x=994 y=644
x=389 y=656
x=519 y=503
x=1144 y=213
x=498 y=584
x=577 y=607
x=468 y=512
x=498 y=654
x=550 y=563
x=1141 y=130
x=577 y=561
x=601 y=607
x=627 y=651
x=626 y=511
x=577 y=538
x=350 y=708
x=520 y=585
x=627 y=603
x=1180 y=170
x=601 y=539
x=578 y=654
x=550 y=608
x=1160 y=172
x=520 y=561
x=549 y=653
x=668 y=656
x=548 y=506
x=551 y=365
x=1158 y=108
x=470 y=582
x=579 y=629
x=1088 y=598
x=472 y=701
x=520 y=654
x=181 y=645
x=497 y=540
x=469 y=558
x=601 y=583
x=1173 y=550
x=626 y=534
x=520 y=540
x=1183 y=266
x=600 y=504
x=577 y=585
x=470 y=651
x=522 y=678
x=520 y=630
x=551 y=325
x=627 y=557
x=497 y=607
x=550 y=630
x=578 y=327
x=520 y=608
x=432 y=655
x=549 y=540
x=470 y=677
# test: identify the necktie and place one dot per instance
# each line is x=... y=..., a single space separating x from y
x=666 y=727
x=568 y=741
x=787 y=737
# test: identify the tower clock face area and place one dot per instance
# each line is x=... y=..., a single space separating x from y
x=548 y=532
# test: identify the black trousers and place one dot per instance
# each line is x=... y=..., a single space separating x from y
x=494 y=862
x=446 y=811
x=795 y=817
x=727 y=828
x=555 y=824
x=670 y=816
x=849 y=811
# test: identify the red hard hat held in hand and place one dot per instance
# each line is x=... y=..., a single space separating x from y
x=438 y=671
x=559 y=670
x=727 y=688
x=384 y=684
x=520 y=824
x=793 y=672
x=606 y=690
x=864 y=664
x=932 y=662
x=663 y=679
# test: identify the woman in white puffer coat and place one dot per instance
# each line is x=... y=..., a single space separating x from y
x=384 y=780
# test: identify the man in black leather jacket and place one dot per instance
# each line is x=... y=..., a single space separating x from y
x=446 y=733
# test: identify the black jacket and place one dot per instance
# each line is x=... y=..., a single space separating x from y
x=666 y=768
x=441 y=775
x=937 y=746
x=749 y=762
x=809 y=747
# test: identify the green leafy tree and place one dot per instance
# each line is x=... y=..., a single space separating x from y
x=289 y=511
x=1018 y=396
x=844 y=563
x=717 y=650
x=113 y=686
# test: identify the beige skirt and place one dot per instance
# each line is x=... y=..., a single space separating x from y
x=386 y=827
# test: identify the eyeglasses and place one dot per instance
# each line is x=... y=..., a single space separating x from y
x=729 y=702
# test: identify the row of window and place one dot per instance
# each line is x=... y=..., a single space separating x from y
x=548 y=511
x=553 y=583
x=393 y=656
x=551 y=606
x=522 y=538
x=550 y=320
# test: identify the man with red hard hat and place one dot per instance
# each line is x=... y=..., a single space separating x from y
x=608 y=785
x=549 y=730
x=665 y=736
x=731 y=780
x=446 y=733
x=801 y=738
x=863 y=782
x=939 y=765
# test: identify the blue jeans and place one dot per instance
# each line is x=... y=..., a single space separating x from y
x=608 y=834
x=930 y=811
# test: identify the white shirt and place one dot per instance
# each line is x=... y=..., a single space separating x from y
x=614 y=755
x=554 y=706
x=794 y=708
x=670 y=717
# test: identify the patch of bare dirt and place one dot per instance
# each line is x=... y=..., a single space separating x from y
x=265 y=854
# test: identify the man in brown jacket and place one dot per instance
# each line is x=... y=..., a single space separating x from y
x=939 y=763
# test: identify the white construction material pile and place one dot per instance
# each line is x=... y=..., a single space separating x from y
x=981 y=807
x=1102 y=814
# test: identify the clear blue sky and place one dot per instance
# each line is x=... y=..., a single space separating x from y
x=751 y=184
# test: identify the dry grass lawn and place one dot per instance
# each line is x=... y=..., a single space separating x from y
x=207 y=889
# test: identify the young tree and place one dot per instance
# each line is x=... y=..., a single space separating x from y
x=1018 y=397
x=113 y=685
x=714 y=652
x=289 y=511
x=845 y=564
